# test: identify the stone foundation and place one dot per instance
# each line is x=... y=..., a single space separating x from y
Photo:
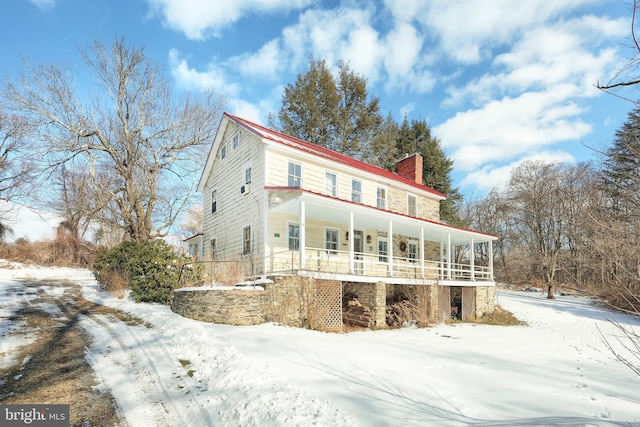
x=485 y=300
x=231 y=307
x=287 y=302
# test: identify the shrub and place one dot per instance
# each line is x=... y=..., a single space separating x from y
x=152 y=269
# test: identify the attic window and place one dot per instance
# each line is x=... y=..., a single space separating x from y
x=223 y=151
x=236 y=140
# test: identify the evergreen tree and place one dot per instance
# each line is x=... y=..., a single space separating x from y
x=415 y=137
x=333 y=113
x=309 y=106
x=621 y=168
x=382 y=151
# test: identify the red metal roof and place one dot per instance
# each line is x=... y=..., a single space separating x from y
x=326 y=153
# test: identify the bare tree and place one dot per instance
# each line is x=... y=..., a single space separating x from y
x=491 y=215
x=539 y=216
x=628 y=74
x=16 y=167
x=140 y=146
x=192 y=223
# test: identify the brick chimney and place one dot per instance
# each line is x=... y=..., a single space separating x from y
x=411 y=167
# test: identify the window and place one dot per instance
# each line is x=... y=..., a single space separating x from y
x=413 y=251
x=246 y=240
x=412 y=205
x=293 y=233
x=214 y=201
x=331 y=184
x=382 y=250
x=246 y=179
x=294 y=175
x=331 y=240
x=212 y=248
x=236 y=140
x=356 y=191
x=223 y=151
x=381 y=198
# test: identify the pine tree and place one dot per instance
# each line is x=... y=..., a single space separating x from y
x=332 y=112
x=621 y=168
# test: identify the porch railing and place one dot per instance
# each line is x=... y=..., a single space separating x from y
x=367 y=264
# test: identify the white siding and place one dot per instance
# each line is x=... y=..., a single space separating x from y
x=313 y=175
x=235 y=210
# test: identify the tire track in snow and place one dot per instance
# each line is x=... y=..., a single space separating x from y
x=127 y=349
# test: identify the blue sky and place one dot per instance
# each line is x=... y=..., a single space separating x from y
x=498 y=81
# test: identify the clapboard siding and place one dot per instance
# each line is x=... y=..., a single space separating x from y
x=234 y=210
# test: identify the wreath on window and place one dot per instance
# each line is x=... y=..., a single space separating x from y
x=403 y=246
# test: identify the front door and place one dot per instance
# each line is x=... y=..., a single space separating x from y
x=358 y=249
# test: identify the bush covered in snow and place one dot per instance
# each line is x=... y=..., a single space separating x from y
x=152 y=269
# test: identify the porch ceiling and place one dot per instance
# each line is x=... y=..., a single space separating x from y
x=338 y=211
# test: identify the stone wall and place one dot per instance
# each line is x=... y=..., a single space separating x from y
x=284 y=302
x=287 y=301
x=485 y=300
x=231 y=307
x=374 y=296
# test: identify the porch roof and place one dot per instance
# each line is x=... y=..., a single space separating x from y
x=334 y=210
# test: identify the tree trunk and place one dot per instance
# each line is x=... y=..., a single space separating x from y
x=550 y=294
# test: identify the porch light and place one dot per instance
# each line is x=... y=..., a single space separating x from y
x=277 y=200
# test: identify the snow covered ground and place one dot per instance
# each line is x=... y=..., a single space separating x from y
x=554 y=371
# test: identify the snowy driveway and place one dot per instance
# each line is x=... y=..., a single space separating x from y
x=176 y=371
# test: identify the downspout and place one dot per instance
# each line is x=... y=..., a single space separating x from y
x=303 y=234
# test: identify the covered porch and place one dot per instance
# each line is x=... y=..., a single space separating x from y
x=340 y=240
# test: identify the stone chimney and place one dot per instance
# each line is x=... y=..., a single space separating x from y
x=411 y=168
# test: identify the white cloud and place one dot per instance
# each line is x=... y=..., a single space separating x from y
x=202 y=19
x=493 y=176
x=508 y=128
x=192 y=79
x=335 y=35
x=470 y=30
x=557 y=54
x=266 y=62
x=44 y=5
x=246 y=110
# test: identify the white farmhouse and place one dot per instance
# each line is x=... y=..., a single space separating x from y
x=282 y=206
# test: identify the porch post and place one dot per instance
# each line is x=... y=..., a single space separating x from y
x=422 y=252
x=441 y=261
x=490 y=255
x=390 y=248
x=351 y=245
x=449 y=256
x=472 y=260
x=303 y=234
